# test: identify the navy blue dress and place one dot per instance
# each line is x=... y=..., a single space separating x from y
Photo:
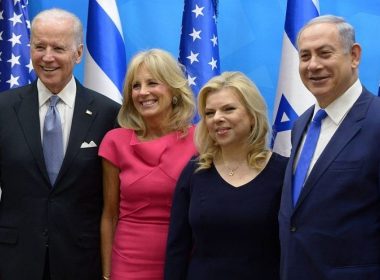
x=218 y=231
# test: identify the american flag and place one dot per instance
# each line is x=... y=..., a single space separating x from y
x=292 y=97
x=15 y=65
x=105 y=61
x=199 y=50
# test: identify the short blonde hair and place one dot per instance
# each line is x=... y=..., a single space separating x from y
x=167 y=70
x=253 y=102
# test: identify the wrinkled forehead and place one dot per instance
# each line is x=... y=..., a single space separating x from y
x=318 y=34
x=61 y=34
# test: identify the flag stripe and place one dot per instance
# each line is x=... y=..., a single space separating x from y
x=298 y=13
x=199 y=50
x=292 y=97
x=205 y=23
x=102 y=37
x=110 y=8
x=97 y=80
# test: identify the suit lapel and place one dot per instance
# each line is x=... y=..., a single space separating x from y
x=27 y=112
x=350 y=127
x=83 y=117
x=297 y=134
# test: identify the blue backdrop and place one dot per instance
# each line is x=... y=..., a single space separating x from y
x=250 y=33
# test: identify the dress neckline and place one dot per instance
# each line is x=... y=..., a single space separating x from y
x=249 y=183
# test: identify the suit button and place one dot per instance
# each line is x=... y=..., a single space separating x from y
x=293 y=229
x=45 y=233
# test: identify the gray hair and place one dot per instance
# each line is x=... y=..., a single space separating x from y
x=65 y=15
x=346 y=31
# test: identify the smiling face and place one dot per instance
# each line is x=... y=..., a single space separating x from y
x=325 y=68
x=151 y=97
x=54 y=52
x=227 y=120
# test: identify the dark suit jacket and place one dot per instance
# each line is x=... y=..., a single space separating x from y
x=333 y=232
x=33 y=215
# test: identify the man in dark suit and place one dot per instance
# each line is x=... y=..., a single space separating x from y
x=49 y=228
x=332 y=229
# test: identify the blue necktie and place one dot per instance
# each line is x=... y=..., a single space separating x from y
x=307 y=154
x=52 y=140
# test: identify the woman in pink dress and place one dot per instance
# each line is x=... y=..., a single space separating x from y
x=142 y=161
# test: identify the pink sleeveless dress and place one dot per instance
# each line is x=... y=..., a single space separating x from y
x=149 y=172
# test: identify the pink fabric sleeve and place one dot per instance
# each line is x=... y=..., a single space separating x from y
x=108 y=147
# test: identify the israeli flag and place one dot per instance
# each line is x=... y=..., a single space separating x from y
x=292 y=97
x=105 y=58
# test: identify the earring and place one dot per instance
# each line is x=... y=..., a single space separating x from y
x=175 y=100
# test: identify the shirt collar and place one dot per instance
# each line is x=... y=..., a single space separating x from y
x=67 y=94
x=339 y=108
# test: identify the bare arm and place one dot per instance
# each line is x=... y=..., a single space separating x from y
x=111 y=189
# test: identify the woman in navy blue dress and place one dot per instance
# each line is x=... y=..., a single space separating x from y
x=224 y=215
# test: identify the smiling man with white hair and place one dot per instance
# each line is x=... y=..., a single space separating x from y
x=50 y=174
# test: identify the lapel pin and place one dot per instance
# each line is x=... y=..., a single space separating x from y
x=88 y=112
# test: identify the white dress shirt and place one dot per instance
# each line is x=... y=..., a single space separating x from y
x=336 y=112
x=65 y=107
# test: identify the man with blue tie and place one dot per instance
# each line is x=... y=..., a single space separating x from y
x=50 y=173
x=330 y=207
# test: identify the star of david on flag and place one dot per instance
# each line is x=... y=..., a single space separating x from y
x=292 y=97
x=199 y=51
x=15 y=65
